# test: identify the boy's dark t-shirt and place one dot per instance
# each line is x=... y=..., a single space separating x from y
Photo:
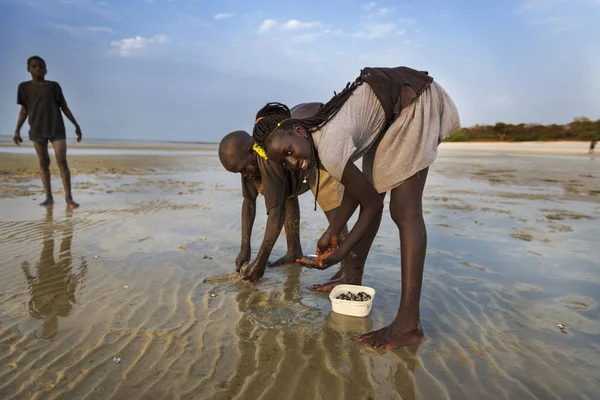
x=43 y=102
x=277 y=183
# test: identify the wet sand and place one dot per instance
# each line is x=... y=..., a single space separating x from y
x=7 y=142
x=564 y=148
x=132 y=295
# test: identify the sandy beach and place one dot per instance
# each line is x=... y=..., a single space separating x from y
x=134 y=295
x=564 y=148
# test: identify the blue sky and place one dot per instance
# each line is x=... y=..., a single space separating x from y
x=195 y=70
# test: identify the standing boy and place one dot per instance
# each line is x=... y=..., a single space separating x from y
x=42 y=101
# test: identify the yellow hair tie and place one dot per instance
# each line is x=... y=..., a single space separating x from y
x=260 y=151
x=277 y=127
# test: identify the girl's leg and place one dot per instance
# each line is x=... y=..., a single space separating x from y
x=407 y=212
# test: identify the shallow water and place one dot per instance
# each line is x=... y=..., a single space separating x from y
x=490 y=302
x=113 y=152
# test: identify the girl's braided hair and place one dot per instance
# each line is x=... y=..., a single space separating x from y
x=278 y=117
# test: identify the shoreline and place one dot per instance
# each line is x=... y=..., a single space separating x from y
x=558 y=148
x=561 y=148
x=121 y=144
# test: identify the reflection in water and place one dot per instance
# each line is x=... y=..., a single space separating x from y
x=53 y=286
x=404 y=378
x=288 y=349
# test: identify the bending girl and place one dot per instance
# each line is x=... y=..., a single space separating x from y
x=394 y=118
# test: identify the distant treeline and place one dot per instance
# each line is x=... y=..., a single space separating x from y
x=581 y=128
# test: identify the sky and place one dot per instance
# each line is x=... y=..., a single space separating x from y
x=195 y=70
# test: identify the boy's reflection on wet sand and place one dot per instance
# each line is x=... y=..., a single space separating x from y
x=53 y=285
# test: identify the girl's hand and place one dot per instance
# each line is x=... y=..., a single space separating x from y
x=321 y=262
x=328 y=259
x=308 y=261
x=327 y=244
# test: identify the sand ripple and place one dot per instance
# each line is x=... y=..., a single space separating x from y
x=150 y=319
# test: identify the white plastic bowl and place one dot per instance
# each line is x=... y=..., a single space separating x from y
x=350 y=307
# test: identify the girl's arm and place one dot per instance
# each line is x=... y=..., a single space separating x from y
x=358 y=191
x=347 y=208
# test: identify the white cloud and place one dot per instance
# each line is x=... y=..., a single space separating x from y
x=267 y=25
x=291 y=25
x=223 y=15
x=188 y=20
x=383 y=11
x=375 y=31
x=306 y=37
x=375 y=13
x=80 y=29
x=320 y=35
x=542 y=13
x=65 y=27
x=104 y=29
x=294 y=24
x=549 y=20
x=555 y=24
x=369 y=6
x=407 y=22
x=538 y=5
x=100 y=7
x=335 y=32
x=131 y=46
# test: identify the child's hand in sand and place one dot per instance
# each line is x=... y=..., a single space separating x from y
x=243 y=257
x=254 y=271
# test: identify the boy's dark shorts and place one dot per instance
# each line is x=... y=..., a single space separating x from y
x=44 y=140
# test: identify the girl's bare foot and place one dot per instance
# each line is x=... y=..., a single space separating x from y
x=389 y=338
x=333 y=282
